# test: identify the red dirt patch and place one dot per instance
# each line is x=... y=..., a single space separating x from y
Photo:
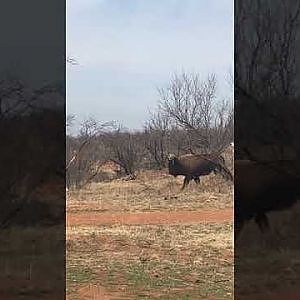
x=93 y=292
x=150 y=218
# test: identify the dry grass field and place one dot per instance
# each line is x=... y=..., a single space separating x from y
x=270 y=261
x=152 y=261
x=144 y=239
x=152 y=191
x=175 y=259
x=28 y=247
x=25 y=255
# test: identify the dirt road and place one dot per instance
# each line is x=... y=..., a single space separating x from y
x=151 y=218
x=90 y=291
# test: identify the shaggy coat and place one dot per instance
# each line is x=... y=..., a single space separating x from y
x=263 y=187
x=193 y=166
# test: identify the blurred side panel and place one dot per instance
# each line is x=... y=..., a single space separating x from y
x=32 y=151
x=267 y=149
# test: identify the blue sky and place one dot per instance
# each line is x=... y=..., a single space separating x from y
x=128 y=48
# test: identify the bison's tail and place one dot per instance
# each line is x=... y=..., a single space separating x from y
x=224 y=171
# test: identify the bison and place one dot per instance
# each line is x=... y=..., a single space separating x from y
x=192 y=166
x=262 y=187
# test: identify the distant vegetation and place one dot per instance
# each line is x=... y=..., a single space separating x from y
x=189 y=118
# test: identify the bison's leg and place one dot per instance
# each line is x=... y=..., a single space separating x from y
x=197 y=180
x=185 y=182
x=272 y=239
x=262 y=222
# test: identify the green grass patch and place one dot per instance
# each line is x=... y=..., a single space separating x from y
x=79 y=274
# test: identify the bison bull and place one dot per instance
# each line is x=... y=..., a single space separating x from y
x=262 y=187
x=193 y=166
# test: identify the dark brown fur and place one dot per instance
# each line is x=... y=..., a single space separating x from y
x=193 y=166
x=263 y=187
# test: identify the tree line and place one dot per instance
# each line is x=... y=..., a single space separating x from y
x=189 y=118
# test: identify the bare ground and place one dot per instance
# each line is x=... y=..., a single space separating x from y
x=145 y=239
x=26 y=252
x=177 y=217
x=152 y=261
x=91 y=292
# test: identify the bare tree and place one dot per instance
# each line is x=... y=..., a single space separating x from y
x=267 y=66
x=9 y=88
x=266 y=87
x=35 y=134
x=82 y=152
x=158 y=137
x=193 y=105
x=222 y=131
x=124 y=148
x=18 y=99
x=70 y=120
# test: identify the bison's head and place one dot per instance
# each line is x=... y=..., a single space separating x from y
x=172 y=164
x=171 y=158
